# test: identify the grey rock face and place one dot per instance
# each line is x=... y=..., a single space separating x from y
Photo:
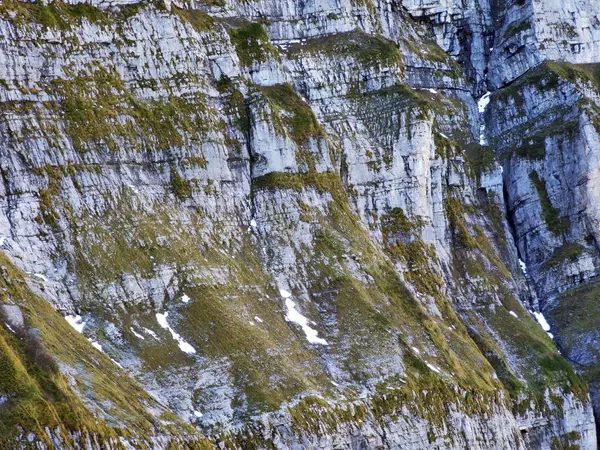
x=287 y=231
x=465 y=31
x=544 y=127
x=532 y=32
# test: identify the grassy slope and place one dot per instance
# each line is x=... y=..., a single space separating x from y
x=89 y=393
x=366 y=312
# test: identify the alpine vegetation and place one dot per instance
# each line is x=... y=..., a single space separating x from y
x=260 y=224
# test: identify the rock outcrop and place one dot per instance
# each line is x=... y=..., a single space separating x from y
x=276 y=224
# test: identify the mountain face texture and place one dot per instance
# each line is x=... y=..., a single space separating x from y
x=292 y=224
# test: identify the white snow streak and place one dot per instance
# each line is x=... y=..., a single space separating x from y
x=481 y=106
x=96 y=345
x=432 y=367
x=151 y=333
x=183 y=345
x=41 y=277
x=542 y=321
x=76 y=322
x=523 y=266
x=185 y=298
x=137 y=335
x=484 y=102
x=293 y=315
x=258 y=319
x=416 y=350
x=512 y=313
x=482 y=139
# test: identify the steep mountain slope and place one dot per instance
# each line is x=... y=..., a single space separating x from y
x=280 y=220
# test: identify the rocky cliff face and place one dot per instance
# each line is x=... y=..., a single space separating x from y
x=291 y=224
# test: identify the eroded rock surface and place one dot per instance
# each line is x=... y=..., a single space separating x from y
x=290 y=224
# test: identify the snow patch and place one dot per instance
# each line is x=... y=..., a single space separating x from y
x=76 y=322
x=10 y=328
x=96 y=345
x=484 y=102
x=512 y=313
x=258 y=319
x=542 y=321
x=183 y=345
x=482 y=139
x=116 y=363
x=185 y=298
x=151 y=333
x=253 y=223
x=137 y=335
x=416 y=350
x=198 y=414
x=293 y=315
x=432 y=367
x=284 y=293
x=481 y=106
x=523 y=266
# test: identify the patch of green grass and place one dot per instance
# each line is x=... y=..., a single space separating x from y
x=180 y=186
x=481 y=159
x=568 y=251
x=100 y=111
x=430 y=51
x=419 y=258
x=547 y=76
x=455 y=214
x=567 y=441
x=516 y=28
x=533 y=147
x=199 y=20
x=124 y=240
x=555 y=223
x=323 y=182
x=49 y=214
x=252 y=43
x=56 y=15
x=368 y=50
x=293 y=112
x=396 y=223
